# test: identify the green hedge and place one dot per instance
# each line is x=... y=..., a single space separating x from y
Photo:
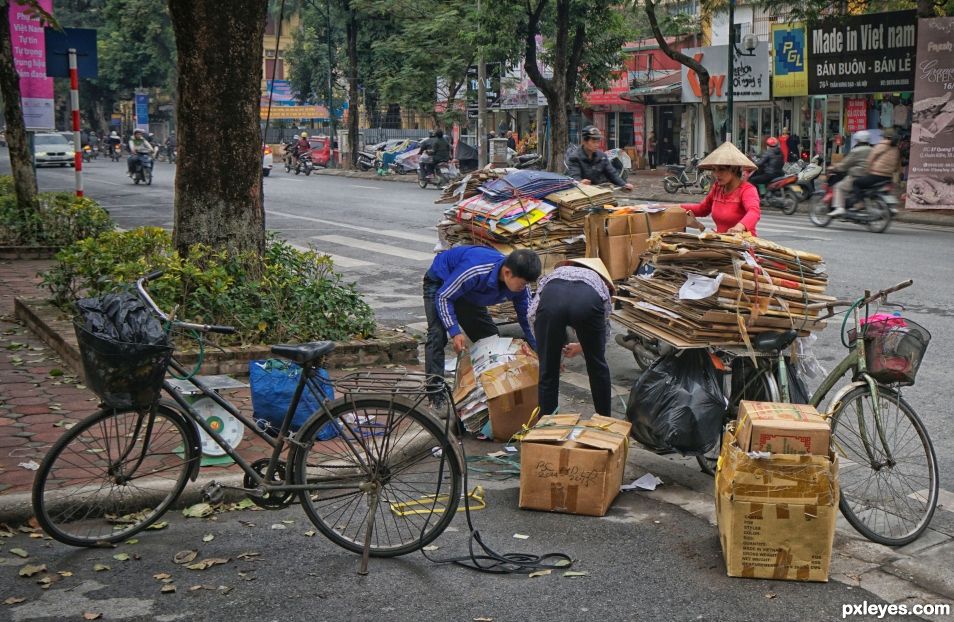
x=61 y=218
x=297 y=298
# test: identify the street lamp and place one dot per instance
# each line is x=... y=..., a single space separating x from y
x=749 y=42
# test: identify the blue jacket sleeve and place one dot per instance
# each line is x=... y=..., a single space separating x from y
x=520 y=303
x=457 y=284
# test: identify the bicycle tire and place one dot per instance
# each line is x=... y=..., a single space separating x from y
x=102 y=509
x=867 y=514
x=342 y=515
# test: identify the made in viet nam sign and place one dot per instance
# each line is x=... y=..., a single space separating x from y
x=863 y=54
x=750 y=78
x=789 y=60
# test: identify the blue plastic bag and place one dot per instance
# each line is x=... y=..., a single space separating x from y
x=273 y=387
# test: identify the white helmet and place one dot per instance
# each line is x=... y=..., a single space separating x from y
x=863 y=136
x=113 y=134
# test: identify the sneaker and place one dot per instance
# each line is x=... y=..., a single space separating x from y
x=838 y=211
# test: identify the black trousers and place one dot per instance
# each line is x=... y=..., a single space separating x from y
x=475 y=321
x=762 y=178
x=576 y=305
x=867 y=181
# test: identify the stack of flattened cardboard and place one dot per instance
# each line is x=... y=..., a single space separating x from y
x=619 y=236
x=575 y=202
x=466 y=186
x=496 y=382
x=712 y=289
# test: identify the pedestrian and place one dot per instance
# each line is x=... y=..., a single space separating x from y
x=651 y=150
x=459 y=286
x=511 y=141
x=578 y=294
x=783 y=146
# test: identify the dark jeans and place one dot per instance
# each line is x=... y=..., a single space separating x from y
x=475 y=321
x=868 y=181
x=762 y=178
x=651 y=156
x=579 y=306
x=133 y=163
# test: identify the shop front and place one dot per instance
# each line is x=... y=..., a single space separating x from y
x=622 y=122
x=665 y=119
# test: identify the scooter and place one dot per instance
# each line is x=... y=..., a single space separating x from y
x=688 y=178
x=143 y=171
x=878 y=205
x=305 y=164
x=780 y=194
x=439 y=175
x=116 y=153
x=367 y=159
x=805 y=186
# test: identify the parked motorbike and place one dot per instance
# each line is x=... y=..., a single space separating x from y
x=688 y=178
x=367 y=159
x=532 y=161
x=143 y=170
x=805 y=186
x=439 y=175
x=873 y=207
x=779 y=193
x=620 y=161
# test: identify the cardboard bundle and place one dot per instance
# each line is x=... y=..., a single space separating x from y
x=711 y=289
x=619 y=236
x=466 y=186
x=575 y=202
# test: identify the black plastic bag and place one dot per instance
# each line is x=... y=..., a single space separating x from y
x=678 y=403
x=121 y=317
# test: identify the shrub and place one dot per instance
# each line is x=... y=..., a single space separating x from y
x=297 y=297
x=60 y=219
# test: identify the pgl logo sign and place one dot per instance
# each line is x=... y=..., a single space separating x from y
x=789 y=52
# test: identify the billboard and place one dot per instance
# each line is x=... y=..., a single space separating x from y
x=29 y=58
x=789 y=60
x=751 y=74
x=142 y=111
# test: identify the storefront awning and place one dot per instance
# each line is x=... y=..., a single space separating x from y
x=666 y=85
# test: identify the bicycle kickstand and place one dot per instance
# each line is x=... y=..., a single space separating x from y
x=366 y=553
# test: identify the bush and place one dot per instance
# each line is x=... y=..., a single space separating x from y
x=297 y=297
x=61 y=218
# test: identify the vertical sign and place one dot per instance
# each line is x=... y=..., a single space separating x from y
x=142 y=112
x=639 y=127
x=856 y=114
x=931 y=171
x=29 y=57
x=789 y=62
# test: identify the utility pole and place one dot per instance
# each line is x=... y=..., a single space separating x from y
x=730 y=116
x=481 y=99
x=331 y=93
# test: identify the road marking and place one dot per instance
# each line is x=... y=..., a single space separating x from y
x=374 y=247
x=366 y=187
x=340 y=261
x=401 y=235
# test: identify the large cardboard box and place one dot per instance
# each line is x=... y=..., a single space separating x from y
x=511 y=391
x=619 y=237
x=782 y=429
x=777 y=515
x=573 y=466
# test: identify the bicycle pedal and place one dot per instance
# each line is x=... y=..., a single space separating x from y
x=213 y=492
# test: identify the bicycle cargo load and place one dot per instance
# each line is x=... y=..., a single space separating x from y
x=123 y=348
x=894 y=347
x=273 y=384
x=782 y=429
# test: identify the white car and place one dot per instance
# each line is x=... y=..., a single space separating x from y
x=52 y=150
x=267 y=160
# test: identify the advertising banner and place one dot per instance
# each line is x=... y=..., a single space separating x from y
x=280 y=91
x=29 y=57
x=639 y=127
x=789 y=62
x=931 y=168
x=751 y=75
x=863 y=54
x=856 y=114
x=142 y=111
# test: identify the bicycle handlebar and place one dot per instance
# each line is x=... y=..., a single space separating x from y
x=868 y=298
x=204 y=328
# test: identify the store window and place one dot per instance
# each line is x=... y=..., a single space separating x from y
x=611 y=128
x=626 y=138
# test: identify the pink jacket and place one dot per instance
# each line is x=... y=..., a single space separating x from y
x=728 y=209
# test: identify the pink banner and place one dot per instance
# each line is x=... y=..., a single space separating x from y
x=856 y=114
x=29 y=57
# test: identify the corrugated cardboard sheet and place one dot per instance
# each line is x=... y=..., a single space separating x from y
x=619 y=238
x=776 y=516
x=511 y=395
x=782 y=429
x=573 y=466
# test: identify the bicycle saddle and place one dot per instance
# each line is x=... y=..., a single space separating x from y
x=304 y=353
x=774 y=341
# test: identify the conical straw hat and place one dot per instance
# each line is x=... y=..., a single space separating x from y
x=595 y=264
x=727 y=155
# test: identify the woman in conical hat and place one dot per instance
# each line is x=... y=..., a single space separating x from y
x=732 y=201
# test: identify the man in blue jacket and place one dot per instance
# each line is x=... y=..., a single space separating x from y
x=459 y=286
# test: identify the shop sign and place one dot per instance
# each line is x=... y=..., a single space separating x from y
x=639 y=126
x=931 y=169
x=29 y=57
x=863 y=54
x=789 y=61
x=856 y=114
x=750 y=75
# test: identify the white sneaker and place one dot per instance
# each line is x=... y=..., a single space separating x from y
x=838 y=211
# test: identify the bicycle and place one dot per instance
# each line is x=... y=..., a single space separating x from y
x=689 y=177
x=388 y=452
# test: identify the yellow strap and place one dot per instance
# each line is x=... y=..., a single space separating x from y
x=429 y=504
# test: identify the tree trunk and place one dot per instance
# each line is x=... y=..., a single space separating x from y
x=21 y=161
x=559 y=135
x=692 y=64
x=353 y=97
x=927 y=8
x=218 y=200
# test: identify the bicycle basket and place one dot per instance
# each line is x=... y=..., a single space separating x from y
x=894 y=348
x=124 y=375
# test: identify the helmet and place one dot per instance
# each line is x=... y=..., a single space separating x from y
x=772 y=141
x=138 y=130
x=304 y=135
x=113 y=134
x=592 y=132
x=863 y=136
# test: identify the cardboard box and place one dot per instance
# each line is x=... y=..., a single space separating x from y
x=619 y=238
x=573 y=466
x=776 y=516
x=512 y=395
x=782 y=429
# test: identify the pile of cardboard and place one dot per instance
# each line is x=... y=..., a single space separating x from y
x=712 y=289
x=777 y=493
x=496 y=384
x=620 y=235
x=574 y=203
x=466 y=187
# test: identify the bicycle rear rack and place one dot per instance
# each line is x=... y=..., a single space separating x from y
x=394 y=383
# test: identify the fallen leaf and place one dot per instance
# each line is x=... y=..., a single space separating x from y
x=162 y=575
x=310 y=533
x=520 y=536
x=208 y=537
x=100 y=567
x=562 y=563
x=19 y=553
x=89 y=615
x=64 y=573
x=36 y=536
x=121 y=557
x=224 y=589
x=184 y=557
x=32 y=465
x=199 y=510
x=289 y=522
x=168 y=588
x=539 y=573
x=48 y=580
x=132 y=541
x=771 y=595
x=30 y=569
x=278 y=526
x=208 y=563
x=248 y=555
x=13 y=600
x=160 y=525
x=5 y=532
x=201 y=587
x=574 y=573
x=430 y=547
x=483 y=620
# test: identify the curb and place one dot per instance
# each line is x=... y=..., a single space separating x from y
x=56 y=331
x=8 y=253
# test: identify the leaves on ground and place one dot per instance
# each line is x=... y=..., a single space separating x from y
x=100 y=567
x=168 y=588
x=90 y=615
x=310 y=533
x=31 y=569
x=278 y=526
x=161 y=575
x=160 y=525
x=132 y=541
x=208 y=563
x=121 y=557
x=520 y=536
x=431 y=547
x=574 y=573
x=64 y=573
x=562 y=563
x=13 y=600
x=248 y=556
x=184 y=557
x=199 y=510
x=19 y=553
x=208 y=537
x=539 y=573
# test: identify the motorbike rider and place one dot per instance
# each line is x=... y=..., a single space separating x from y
x=138 y=147
x=732 y=202
x=769 y=165
x=113 y=140
x=883 y=162
x=854 y=165
x=589 y=165
x=171 y=143
x=301 y=146
x=439 y=150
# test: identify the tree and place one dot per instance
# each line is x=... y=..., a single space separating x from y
x=218 y=198
x=813 y=10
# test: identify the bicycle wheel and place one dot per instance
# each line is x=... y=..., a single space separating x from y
x=386 y=465
x=105 y=479
x=889 y=500
x=749 y=382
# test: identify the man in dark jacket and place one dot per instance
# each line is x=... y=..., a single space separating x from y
x=589 y=165
x=770 y=164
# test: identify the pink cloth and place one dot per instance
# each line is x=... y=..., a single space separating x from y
x=728 y=209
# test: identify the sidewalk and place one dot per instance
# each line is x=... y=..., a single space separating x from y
x=648 y=187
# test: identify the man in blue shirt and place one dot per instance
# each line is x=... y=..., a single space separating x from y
x=459 y=286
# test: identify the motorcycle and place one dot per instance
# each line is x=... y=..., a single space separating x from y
x=439 y=175
x=116 y=153
x=367 y=158
x=88 y=154
x=143 y=170
x=779 y=193
x=805 y=186
x=878 y=205
x=687 y=177
x=305 y=164
x=524 y=161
